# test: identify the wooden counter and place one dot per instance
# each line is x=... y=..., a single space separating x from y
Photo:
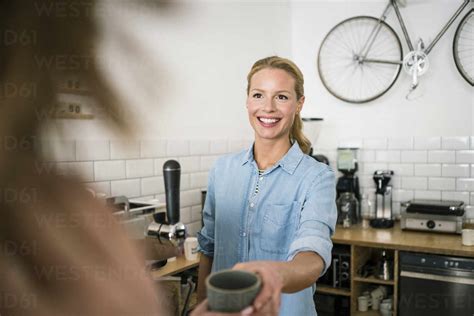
x=173 y=267
x=395 y=238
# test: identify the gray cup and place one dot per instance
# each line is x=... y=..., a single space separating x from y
x=230 y=291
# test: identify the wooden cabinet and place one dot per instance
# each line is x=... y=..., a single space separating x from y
x=360 y=255
x=367 y=243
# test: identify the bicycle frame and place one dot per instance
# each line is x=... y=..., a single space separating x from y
x=375 y=31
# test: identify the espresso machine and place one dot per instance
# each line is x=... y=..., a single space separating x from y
x=347 y=187
x=311 y=130
x=383 y=200
x=158 y=232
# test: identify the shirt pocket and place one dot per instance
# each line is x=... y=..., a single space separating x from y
x=279 y=224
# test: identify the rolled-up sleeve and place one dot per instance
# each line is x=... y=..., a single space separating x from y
x=317 y=219
x=206 y=235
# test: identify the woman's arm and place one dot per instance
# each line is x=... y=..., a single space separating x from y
x=301 y=272
x=284 y=276
x=205 y=265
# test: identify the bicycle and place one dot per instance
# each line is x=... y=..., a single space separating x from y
x=361 y=57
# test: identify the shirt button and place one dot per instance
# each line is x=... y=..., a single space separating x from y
x=252 y=204
x=244 y=234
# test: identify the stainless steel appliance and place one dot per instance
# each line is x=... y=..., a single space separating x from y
x=434 y=285
x=383 y=199
x=432 y=215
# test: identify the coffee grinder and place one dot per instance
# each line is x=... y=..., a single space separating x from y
x=348 y=182
x=311 y=130
x=383 y=199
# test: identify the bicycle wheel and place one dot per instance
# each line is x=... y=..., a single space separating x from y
x=463 y=44
x=346 y=72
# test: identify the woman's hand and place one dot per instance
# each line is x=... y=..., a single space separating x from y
x=268 y=300
x=202 y=310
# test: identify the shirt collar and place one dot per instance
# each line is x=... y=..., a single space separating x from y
x=289 y=162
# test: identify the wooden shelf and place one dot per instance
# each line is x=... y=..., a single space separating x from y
x=373 y=279
x=332 y=290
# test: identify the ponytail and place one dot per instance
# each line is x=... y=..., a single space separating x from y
x=296 y=133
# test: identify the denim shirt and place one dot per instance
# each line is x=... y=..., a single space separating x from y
x=293 y=211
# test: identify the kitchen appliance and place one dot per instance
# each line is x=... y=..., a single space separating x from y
x=383 y=199
x=158 y=232
x=338 y=274
x=311 y=130
x=432 y=215
x=348 y=185
x=168 y=229
x=435 y=285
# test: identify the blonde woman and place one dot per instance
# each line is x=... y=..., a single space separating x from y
x=271 y=209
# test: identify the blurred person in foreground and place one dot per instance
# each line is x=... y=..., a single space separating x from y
x=61 y=251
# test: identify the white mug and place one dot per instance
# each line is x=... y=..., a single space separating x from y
x=364 y=303
x=191 y=248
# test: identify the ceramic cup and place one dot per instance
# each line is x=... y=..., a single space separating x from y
x=191 y=248
x=230 y=291
x=387 y=302
x=363 y=302
x=376 y=303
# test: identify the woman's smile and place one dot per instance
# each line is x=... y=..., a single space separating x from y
x=268 y=122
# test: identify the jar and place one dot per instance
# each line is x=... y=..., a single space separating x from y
x=366 y=210
x=467 y=236
x=347 y=207
x=468 y=223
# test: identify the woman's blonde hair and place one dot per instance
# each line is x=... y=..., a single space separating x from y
x=276 y=62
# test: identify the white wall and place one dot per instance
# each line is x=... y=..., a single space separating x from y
x=182 y=68
x=445 y=103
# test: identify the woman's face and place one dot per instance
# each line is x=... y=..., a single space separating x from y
x=272 y=103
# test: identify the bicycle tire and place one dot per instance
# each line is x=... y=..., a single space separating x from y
x=463 y=43
x=348 y=38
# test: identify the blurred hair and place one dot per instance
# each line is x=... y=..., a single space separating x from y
x=276 y=62
x=49 y=222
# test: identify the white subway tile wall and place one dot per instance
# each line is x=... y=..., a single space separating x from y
x=129 y=188
x=400 y=143
x=153 y=148
x=424 y=167
x=455 y=143
x=442 y=156
x=139 y=168
x=199 y=147
x=427 y=143
x=124 y=149
x=440 y=168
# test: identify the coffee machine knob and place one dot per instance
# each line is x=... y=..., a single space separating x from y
x=430 y=224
